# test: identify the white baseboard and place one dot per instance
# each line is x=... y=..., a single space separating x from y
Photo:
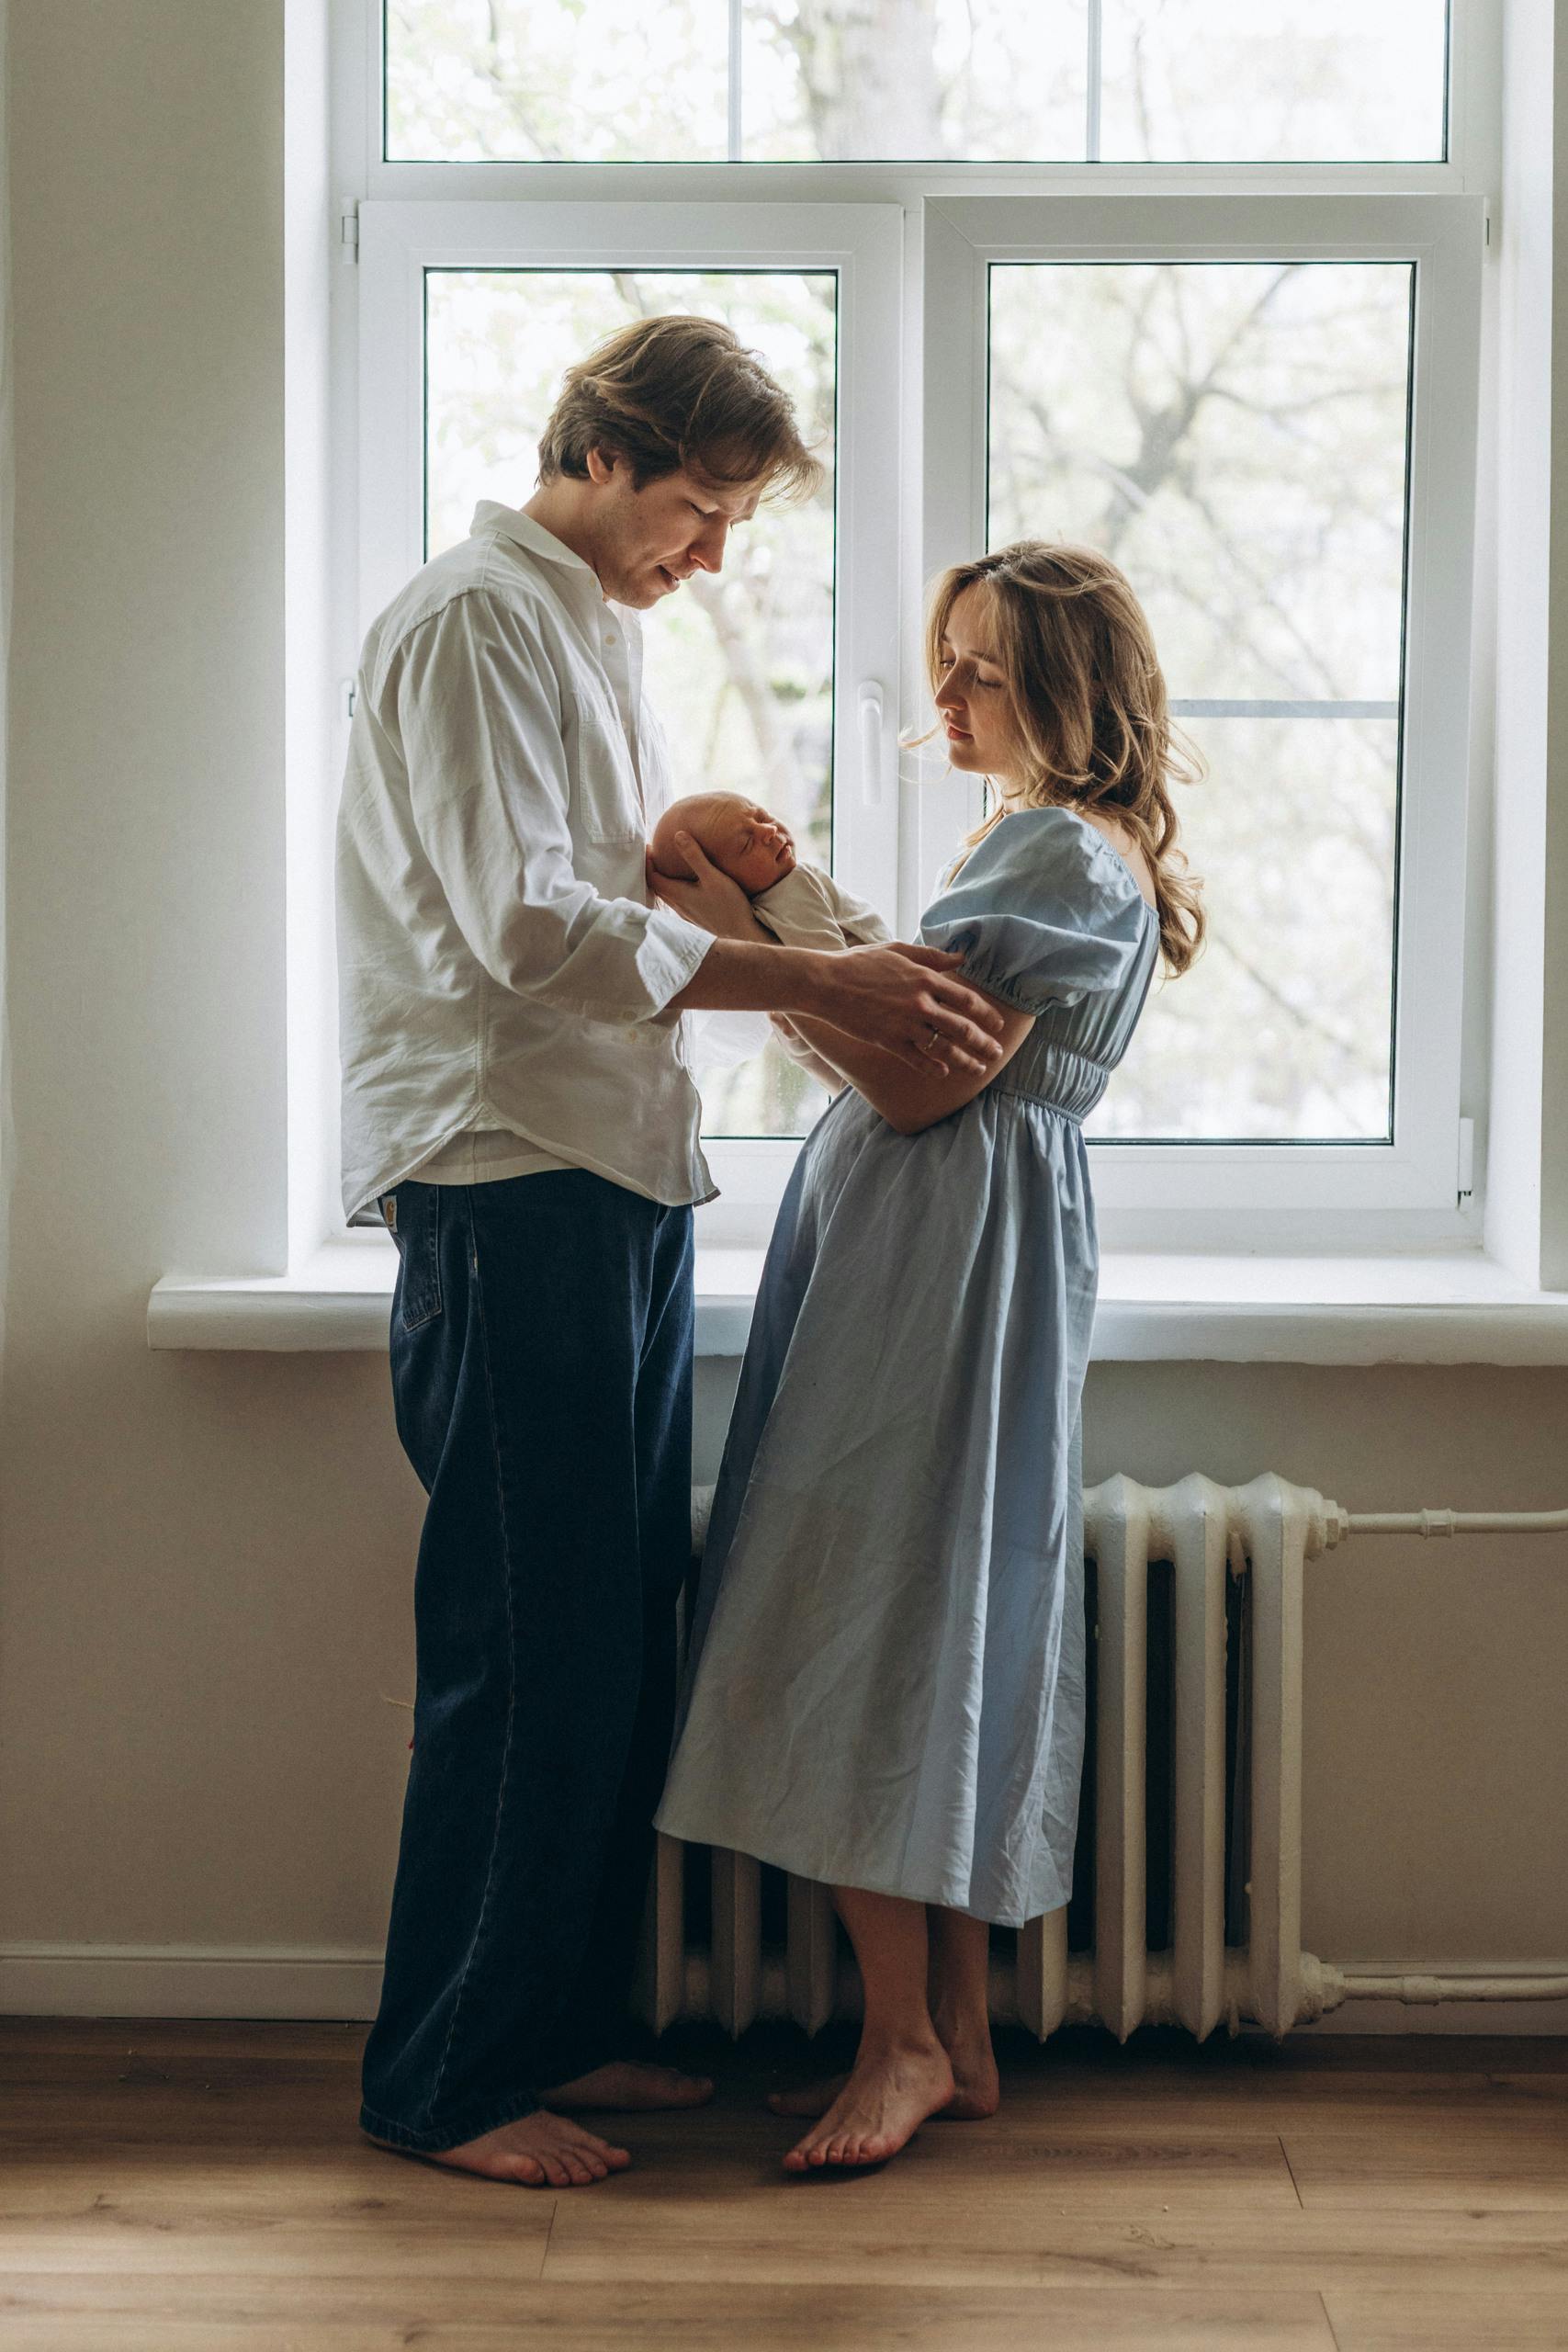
x=1534 y=2018
x=186 y=1981
x=216 y=1981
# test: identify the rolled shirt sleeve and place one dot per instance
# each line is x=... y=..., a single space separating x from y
x=481 y=726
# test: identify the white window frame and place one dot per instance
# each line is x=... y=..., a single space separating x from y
x=1199 y=1189
x=1306 y=1197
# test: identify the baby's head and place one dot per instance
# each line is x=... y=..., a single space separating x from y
x=741 y=839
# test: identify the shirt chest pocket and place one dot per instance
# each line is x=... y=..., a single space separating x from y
x=605 y=805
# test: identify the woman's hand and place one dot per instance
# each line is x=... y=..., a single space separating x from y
x=713 y=900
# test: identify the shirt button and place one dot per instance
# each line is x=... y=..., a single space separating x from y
x=609 y=637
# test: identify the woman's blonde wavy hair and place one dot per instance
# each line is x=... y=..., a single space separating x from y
x=1089 y=705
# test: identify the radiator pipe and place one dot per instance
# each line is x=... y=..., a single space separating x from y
x=1324 y=1986
x=1342 y=1523
x=1330 y=1986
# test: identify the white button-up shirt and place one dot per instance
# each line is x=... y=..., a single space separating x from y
x=500 y=964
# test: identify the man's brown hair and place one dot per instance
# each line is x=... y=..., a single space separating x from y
x=679 y=392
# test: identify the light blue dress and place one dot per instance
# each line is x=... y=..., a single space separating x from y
x=885 y=1686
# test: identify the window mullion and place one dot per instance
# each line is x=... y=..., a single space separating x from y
x=1094 y=80
x=736 y=150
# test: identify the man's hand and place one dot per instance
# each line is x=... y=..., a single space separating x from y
x=901 y=998
x=713 y=900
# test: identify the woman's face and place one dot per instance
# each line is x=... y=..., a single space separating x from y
x=972 y=693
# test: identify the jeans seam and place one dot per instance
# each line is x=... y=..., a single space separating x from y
x=511 y=1662
x=425 y=1272
x=651 y=1331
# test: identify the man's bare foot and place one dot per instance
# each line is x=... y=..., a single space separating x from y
x=539 y=2150
x=630 y=2086
x=886 y=2098
x=978 y=2090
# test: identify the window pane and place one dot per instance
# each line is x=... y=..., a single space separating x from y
x=956 y=80
x=561 y=81
x=1234 y=435
x=986 y=81
x=1273 y=81
x=1282 y=1027
x=740 y=667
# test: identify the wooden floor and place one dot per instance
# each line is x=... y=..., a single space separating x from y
x=197 y=2187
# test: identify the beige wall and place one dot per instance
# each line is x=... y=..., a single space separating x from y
x=207 y=1559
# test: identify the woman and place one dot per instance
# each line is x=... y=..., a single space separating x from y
x=886 y=1687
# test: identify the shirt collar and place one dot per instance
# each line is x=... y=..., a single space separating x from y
x=512 y=524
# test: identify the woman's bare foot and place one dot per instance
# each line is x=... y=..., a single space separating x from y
x=978 y=2093
x=539 y=2150
x=886 y=2098
x=811 y=2098
x=978 y=2090
x=628 y=2084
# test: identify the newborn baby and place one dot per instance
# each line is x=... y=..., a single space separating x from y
x=801 y=905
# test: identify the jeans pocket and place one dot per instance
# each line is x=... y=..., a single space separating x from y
x=412 y=1216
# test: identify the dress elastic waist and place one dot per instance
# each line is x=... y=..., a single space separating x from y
x=1056 y=1077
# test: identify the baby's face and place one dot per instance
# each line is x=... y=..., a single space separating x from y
x=743 y=840
x=752 y=847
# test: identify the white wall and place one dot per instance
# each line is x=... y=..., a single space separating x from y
x=207 y=1559
x=8 y=492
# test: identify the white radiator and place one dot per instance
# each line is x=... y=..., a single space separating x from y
x=1261 y=1535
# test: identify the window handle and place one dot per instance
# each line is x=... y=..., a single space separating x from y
x=871 y=744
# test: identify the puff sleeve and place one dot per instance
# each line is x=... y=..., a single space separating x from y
x=1044 y=913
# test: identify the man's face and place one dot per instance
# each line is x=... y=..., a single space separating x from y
x=647 y=541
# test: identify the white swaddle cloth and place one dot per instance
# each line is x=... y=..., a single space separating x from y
x=808 y=909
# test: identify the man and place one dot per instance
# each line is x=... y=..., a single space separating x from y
x=517 y=1100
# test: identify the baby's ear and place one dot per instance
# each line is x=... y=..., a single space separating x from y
x=672 y=866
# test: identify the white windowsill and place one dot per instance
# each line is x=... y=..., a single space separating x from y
x=1454 y=1306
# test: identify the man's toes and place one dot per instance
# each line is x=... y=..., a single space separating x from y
x=529 y=2171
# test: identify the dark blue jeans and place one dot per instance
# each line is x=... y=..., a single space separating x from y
x=542 y=1378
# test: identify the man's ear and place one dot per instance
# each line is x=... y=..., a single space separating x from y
x=601 y=465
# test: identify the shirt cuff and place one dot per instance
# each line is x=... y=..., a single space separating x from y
x=672 y=950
